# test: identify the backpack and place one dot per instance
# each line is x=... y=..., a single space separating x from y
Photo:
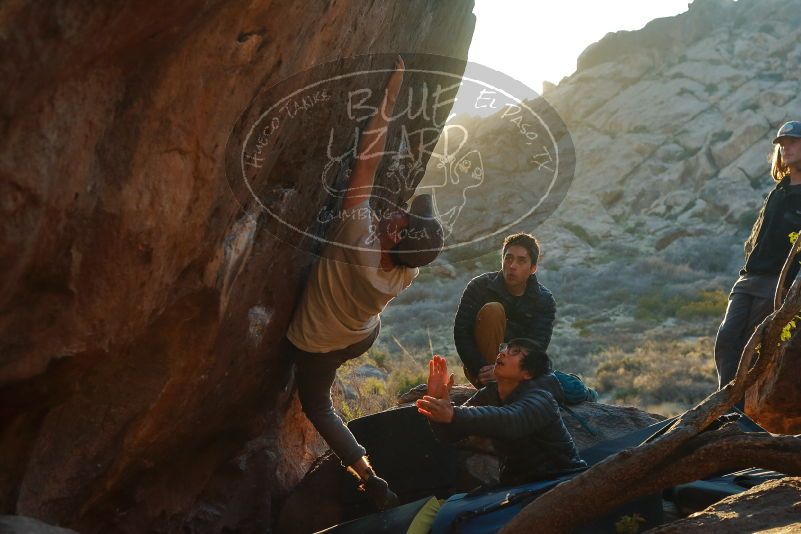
x=575 y=390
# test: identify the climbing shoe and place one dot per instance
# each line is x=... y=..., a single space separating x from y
x=378 y=491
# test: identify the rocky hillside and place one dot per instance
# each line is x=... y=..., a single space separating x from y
x=671 y=127
x=143 y=385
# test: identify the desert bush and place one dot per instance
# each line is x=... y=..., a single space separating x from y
x=706 y=254
x=373 y=394
x=614 y=280
x=706 y=304
x=379 y=355
x=582 y=327
x=373 y=386
x=366 y=395
x=659 y=304
x=371 y=397
x=404 y=380
x=663 y=270
x=670 y=375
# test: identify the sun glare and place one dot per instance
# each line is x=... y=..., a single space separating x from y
x=536 y=41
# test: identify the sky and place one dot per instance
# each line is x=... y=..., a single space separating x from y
x=536 y=40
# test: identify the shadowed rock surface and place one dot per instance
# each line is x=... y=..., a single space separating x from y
x=773 y=506
x=142 y=308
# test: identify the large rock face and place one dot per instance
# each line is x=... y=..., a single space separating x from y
x=143 y=384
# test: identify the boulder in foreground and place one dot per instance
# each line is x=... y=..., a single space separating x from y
x=773 y=506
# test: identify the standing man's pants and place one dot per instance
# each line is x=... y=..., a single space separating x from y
x=489 y=332
x=743 y=315
x=315 y=374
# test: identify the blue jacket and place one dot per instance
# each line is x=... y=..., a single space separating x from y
x=530 y=315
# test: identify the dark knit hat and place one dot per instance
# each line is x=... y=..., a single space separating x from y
x=423 y=238
x=537 y=361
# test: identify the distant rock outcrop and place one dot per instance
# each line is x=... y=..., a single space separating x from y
x=672 y=127
x=143 y=383
x=672 y=123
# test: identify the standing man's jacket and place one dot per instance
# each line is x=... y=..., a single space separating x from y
x=530 y=315
x=768 y=245
x=526 y=429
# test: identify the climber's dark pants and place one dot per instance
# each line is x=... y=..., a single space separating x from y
x=315 y=374
x=743 y=315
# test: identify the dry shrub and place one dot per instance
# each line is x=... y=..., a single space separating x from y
x=660 y=304
x=356 y=396
x=662 y=376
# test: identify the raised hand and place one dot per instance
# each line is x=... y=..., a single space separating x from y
x=486 y=375
x=396 y=78
x=372 y=143
x=437 y=410
x=439 y=383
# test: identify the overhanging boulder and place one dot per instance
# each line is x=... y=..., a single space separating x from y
x=143 y=380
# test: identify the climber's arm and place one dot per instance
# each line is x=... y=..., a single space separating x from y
x=372 y=142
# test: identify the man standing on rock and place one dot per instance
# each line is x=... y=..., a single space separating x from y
x=502 y=305
x=519 y=412
x=751 y=298
x=369 y=259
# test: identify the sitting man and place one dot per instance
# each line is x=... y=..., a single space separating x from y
x=519 y=412
x=503 y=305
x=363 y=267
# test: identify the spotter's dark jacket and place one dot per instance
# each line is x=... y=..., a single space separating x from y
x=526 y=429
x=530 y=315
x=768 y=245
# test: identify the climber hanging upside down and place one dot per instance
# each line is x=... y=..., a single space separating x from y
x=363 y=266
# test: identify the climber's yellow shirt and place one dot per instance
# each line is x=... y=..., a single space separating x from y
x=347 y=288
